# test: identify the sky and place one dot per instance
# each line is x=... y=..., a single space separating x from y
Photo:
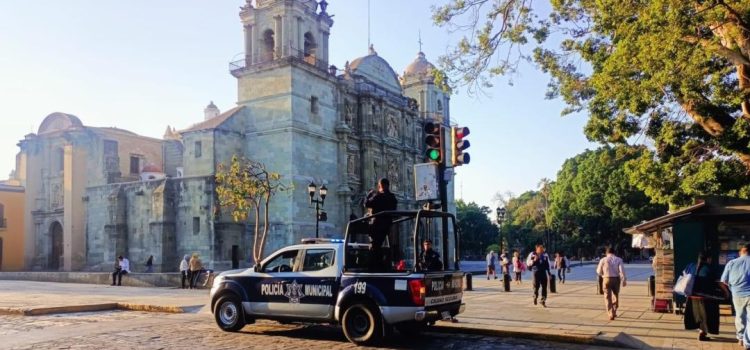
x=141 y=65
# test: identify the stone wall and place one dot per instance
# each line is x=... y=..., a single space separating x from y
x=165 y=218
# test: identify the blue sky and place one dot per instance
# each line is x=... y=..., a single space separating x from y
x=141 y=65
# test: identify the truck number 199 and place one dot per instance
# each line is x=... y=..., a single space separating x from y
x=360 y=287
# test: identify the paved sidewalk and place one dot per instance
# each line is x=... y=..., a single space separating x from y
x=575 y=314
x=576 y=311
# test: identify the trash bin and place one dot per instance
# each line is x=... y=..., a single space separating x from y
x=552 y=284
x=651 y=285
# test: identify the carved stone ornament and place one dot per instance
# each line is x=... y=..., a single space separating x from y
x=392 y=126
x=393 y=176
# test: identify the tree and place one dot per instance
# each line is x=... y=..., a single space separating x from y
x=475 y=228
x=592 y=199
x=677 y=71
x=247 y=185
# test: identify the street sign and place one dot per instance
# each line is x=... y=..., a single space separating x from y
x=426 y=182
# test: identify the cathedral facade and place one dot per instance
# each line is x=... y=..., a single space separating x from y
x=96 y=193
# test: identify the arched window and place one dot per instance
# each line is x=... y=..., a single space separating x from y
x=310 y=48
x=268 y=45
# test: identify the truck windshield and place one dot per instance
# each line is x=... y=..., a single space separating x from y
x=403 y=249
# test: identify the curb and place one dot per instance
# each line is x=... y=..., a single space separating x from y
x=597 y=339
x=89 y=308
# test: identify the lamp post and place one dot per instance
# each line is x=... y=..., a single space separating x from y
x=319 y=215
x=500 y=212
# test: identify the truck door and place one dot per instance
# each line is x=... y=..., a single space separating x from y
x=279 y=287
x=319 y=271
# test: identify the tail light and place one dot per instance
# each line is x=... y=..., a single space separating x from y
x=418 y=291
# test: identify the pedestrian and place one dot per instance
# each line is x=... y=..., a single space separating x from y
x=701 y=310
x=491 y=264
x=539 y=264
x=518 y=266
x=736 y=278
x=150 y=264
x=561 y=265
x=195 y=269
x=122 y=268
x=504 y=264
x=378 y=201
x=185 y=269
x=611 y=270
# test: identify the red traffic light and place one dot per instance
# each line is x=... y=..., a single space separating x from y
x=461 y=132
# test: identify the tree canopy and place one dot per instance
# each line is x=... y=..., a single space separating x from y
x=246 y=185
x=676 y=71
x=476 y=231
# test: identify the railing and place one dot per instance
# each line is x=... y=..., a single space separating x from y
x=238 y=66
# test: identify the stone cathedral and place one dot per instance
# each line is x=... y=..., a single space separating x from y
x=95 y=193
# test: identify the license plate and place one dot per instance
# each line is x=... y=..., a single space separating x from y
x=446 y=315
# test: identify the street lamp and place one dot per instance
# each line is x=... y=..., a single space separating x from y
x=500 y=212
x=319 y=214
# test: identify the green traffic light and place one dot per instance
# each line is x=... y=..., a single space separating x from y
x=433 y=154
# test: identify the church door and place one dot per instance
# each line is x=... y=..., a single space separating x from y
x=56 y=235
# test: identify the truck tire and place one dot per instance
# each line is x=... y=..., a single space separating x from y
x=362 y=324
x=229 y=314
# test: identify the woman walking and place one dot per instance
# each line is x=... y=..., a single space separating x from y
x=185 y=269
x=702 y=311
x=195 y=269
x=518 y=267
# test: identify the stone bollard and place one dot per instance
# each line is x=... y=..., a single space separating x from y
x=468 y=281
x=506 y=282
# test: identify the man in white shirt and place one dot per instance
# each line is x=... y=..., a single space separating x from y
x=612 y=271
x=123 y=268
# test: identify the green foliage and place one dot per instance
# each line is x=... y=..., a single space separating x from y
x=247 y=185
x=676 y=71
x=593 y=199
x=476 y=231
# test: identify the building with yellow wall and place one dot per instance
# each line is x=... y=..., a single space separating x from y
x=11 y=227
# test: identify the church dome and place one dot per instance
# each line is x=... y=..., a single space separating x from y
x=420 y=67
x=59 y=121
x=377 y=70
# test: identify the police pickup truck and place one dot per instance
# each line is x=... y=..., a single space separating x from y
x=342 y=282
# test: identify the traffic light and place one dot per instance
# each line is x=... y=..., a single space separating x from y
x=433 y=141
x=458 y=145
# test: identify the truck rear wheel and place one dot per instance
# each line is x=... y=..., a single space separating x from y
x=229 y=314
x=362 y=324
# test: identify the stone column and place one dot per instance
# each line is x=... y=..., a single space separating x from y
x=74 y=185
x=249 y=44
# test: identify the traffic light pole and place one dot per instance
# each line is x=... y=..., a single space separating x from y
x=444 y=206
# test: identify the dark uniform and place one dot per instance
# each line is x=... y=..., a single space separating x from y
x=379 y=226
x=540 y=269
x=429 y=260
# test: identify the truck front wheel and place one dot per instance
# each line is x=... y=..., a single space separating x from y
x=229 y=313
x=362 y=324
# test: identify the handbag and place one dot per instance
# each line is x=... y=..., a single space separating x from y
x=684 y=284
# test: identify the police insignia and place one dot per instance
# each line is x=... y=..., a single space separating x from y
x=294 y=292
